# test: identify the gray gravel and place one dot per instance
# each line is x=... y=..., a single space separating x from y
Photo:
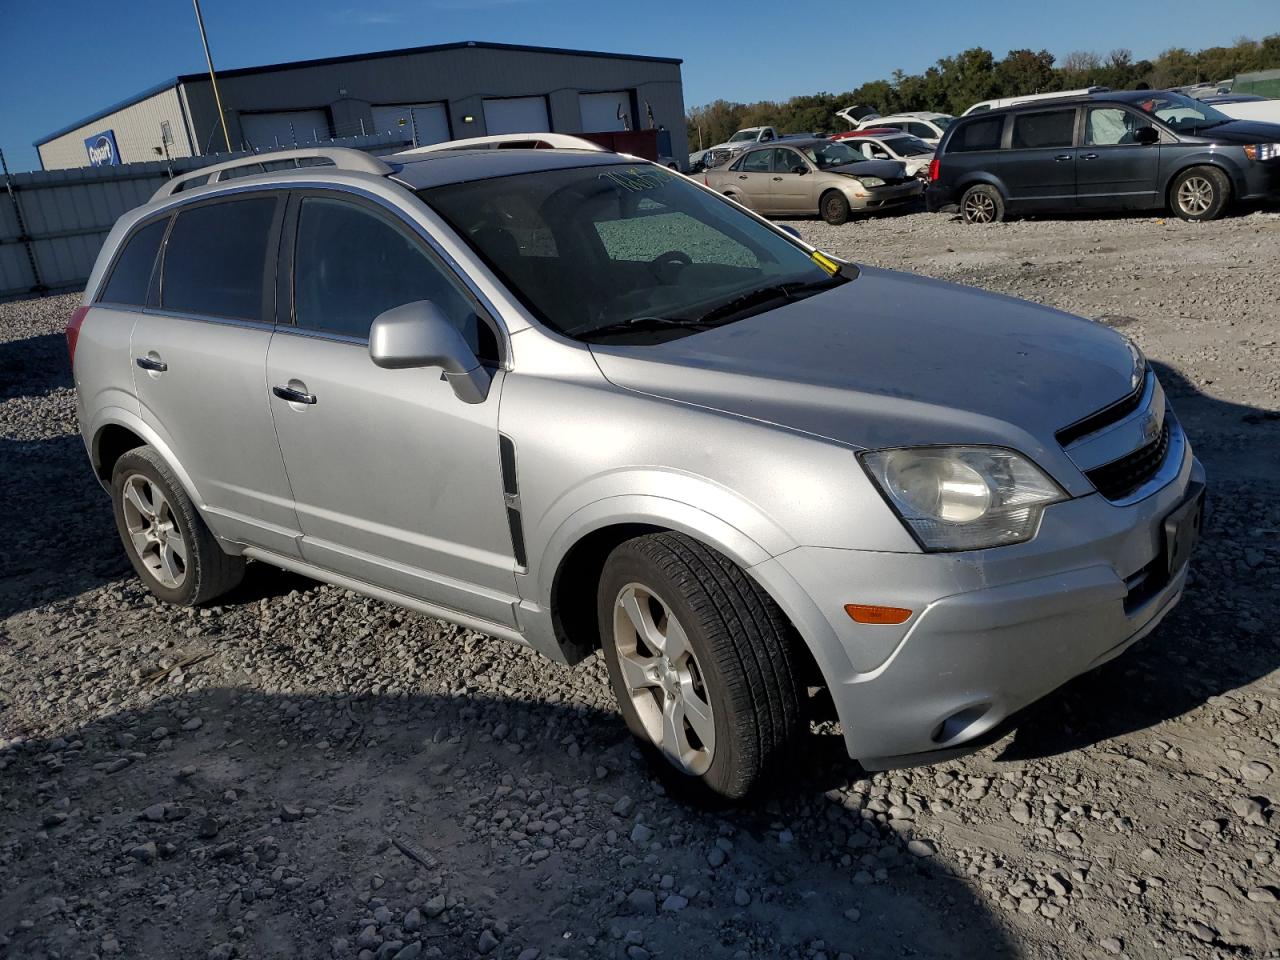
x=300 y=772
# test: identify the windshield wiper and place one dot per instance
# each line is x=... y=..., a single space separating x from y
x=643 y=324
x=778 y=291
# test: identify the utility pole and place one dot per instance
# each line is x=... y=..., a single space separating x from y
x=217 y=99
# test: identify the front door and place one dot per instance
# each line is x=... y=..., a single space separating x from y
x=1040 y=165
x=793 y=192
x=1113 y=170
x=750 y=180
x=396 y=481
x=198 y=366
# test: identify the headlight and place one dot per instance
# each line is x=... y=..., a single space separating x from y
x=871 y=181
x=1262 y=151
x=963 y=498
x=1139 y=371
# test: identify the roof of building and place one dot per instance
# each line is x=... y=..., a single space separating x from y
x=347 y=58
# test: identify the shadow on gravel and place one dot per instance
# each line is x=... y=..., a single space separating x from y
x=279 y=824
x=35 y=366
x=1219 y=637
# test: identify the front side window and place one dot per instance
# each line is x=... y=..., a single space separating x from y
x=786 y=161
x=633 y=244
x=351 y=264
x=1050 y=128
x=131 y=276
x=831 y=153
x=215 y=262
x=1110 y=126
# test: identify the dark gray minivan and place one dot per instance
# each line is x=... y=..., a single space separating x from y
x=1140 y=149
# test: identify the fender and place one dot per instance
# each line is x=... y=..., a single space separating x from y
x=1208 y=157
x=121 y=417
x=982 y=176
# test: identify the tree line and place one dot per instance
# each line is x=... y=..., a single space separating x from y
x=955 y=83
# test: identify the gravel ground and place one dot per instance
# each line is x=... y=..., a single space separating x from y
x=300 y=772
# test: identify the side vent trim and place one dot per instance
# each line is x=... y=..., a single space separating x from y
x=511 y=493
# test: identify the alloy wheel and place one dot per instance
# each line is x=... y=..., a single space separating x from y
x=979 y=208
x=154 y=531
x=1195 y=196
x=664 y=680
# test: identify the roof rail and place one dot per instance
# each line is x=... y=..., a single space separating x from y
x=509 y=141
x=344 y=158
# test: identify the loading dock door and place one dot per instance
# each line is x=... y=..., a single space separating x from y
x=430 y=119
x=516 y=115
x=600 y=111
x=266 y=131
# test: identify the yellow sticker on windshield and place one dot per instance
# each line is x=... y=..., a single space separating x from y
x=825 y=262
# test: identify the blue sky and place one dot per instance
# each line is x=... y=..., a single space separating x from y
x=62 y=60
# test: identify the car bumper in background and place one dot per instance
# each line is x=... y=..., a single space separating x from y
x=936 y=200
x=991 y=631
x=883 y=197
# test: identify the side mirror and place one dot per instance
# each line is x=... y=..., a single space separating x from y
x=417 y=334
x=1146 y=136
x=800 y=168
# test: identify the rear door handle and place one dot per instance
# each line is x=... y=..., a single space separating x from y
x=294 y=396
x=742 y=176
x=1091 y=156
x=1062 y=156
x=152 y=363
x=777 y=179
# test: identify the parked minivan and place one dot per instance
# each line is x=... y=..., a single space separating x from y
x=580 y=402
x=1143 y=149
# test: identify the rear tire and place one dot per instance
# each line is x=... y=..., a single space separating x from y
x=1199 y=193
x=834 y=207
x=982 y=203
x=167 y=541
x=700 y=663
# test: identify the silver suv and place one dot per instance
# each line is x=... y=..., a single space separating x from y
x=577 y=400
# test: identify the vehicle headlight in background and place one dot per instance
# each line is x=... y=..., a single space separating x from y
x=1139 y=372
x=1262 y=151
x=871 y=181
x=963 y=498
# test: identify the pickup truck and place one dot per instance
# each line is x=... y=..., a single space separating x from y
x=717 y=155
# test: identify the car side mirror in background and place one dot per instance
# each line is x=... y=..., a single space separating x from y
x=800 y=168
x=418 y=334
x=1146 y=136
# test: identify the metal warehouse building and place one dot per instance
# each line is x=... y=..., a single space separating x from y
x=427 y=94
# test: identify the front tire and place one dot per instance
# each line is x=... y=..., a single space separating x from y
x=700 y=663
x=1200 y=193
x=982 y=203
x=167 y=541
x=834 y=207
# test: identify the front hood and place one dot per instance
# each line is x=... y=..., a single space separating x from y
x=884 y=169
x=1241 y=131
x=892 y=359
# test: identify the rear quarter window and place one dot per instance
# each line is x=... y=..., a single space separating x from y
x=981 y=134
x=131 y=276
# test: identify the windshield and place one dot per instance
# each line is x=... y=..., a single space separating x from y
x=831 y=154
x=908 y=146
x=603 y=245
x=1181 y=113
x=742 y=135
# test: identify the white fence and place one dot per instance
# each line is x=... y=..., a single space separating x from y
x=53 y=222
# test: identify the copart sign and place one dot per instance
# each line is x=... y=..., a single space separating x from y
x=102 y=149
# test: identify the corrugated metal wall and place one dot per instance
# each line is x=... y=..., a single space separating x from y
x=137 y=130
x=68 y=213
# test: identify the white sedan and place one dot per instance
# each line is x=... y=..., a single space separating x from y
x=890 y=144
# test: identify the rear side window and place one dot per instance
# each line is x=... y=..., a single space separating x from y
x=351 y=264
x=131 y=276
x=215 y=262
x=1052 y=128
x=977 y=135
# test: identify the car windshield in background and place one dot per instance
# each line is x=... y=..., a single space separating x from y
x=626 y=252
x=941 y=122
x=742 y=135
x=908 y=146
x=824 y=156
x=1182 y=113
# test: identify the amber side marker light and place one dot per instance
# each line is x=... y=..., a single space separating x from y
x=870 y=613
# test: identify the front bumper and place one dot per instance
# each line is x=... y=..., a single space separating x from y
x=993 y=631
x=888 y=196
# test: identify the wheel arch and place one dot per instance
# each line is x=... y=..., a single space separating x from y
x=118 y=431
x=1235 y=178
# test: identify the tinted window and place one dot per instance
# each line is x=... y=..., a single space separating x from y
x=131 y=277
x=216 y=259
x=1053 y=128
x=757 y=161
x=351 y=264
x=921 y=130
x=978 y=135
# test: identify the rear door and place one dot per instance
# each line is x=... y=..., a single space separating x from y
x=199 y=359
x=1040 y=166
x=1112 y=169
x=750 y=179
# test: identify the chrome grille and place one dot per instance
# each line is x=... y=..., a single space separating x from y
x=1119 y=478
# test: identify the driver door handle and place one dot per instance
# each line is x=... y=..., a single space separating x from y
x=778 y=179
x=1062 y=156
x=293 y=396
x=742 y=176
x=152 y=363
x=1091 y=156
